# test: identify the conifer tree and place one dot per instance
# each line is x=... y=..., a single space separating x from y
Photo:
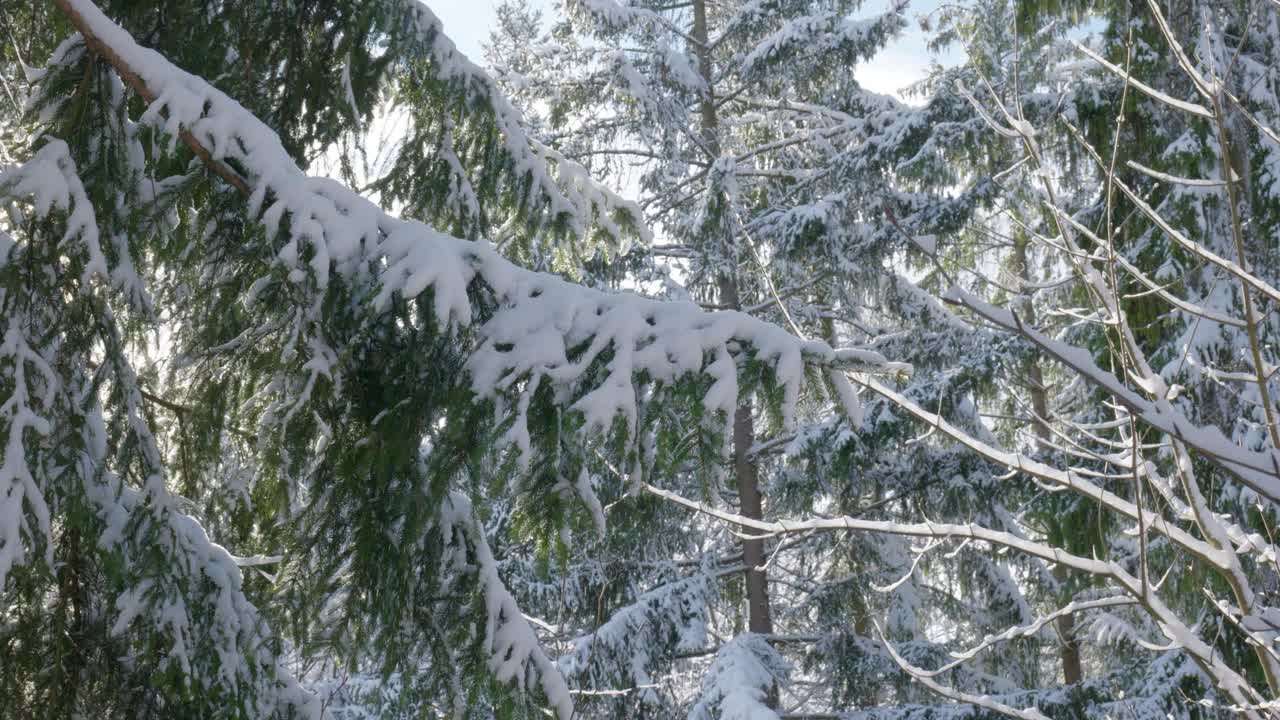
x=273 y=450
x=1152 y=145
x=199 y=337
x=1007 y=84
x=1145 y=460
x=775 y=183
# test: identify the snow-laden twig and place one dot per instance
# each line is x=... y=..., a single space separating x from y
x=515 y=655
x=959 y=531
x=983 y=701
x=21 y=494
x=1029 y=629
x=625 y=649
x=50 y=182
x=1258 y=470
x=1192 y=108
x=1173 y=179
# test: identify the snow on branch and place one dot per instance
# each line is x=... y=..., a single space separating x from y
x=49 y=180
x=1198 y=249
x=540 y=319
x=1258 y=470
x=1151 y=92
x=1027 y=630
x=624 y=650
x=569 y=191
x=823 y=34
x=140 y=520
x=20 y=489
x=515 y=655
x=965 y=531
x=1065 y=479
x=193 y=599
x=1228 y=680
x=983 y=701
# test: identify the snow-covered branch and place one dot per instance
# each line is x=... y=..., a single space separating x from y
x=541 y=319
x=1258 y=470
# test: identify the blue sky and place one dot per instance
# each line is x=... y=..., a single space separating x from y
x=905 y=60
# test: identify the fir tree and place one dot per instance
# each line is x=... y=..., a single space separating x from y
x=297 y=324
x=777 y=185
x=271 y=450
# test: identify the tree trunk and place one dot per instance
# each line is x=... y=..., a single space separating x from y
x=1072 y=671
x=69 y=628
x=759 y=619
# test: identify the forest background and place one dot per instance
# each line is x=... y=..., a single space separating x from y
x=656 y=364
